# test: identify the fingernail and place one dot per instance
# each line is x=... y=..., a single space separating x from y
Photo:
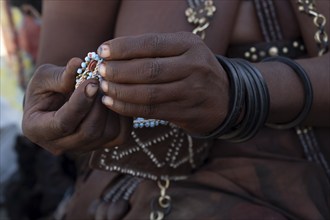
x=104 y=86
x=107 y=100
x=103 y=51
x=91 y=89
x=102 y=70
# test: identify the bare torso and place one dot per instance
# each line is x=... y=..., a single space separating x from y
x=144 y=16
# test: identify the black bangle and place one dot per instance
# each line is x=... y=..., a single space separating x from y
x=257 y=103
x=250 y=103
x=263 y=95
x=236 y=101
x=308 y=90
x=248 y=90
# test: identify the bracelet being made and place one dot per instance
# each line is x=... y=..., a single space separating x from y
x=89 y=69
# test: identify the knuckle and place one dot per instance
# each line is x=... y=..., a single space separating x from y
x=151 y=95
x=125 y=108
x=154 y=42
x=41 y=71
x=112 y=72
x=190 y=38
x=43 y=68
x=154 y=70
x=114 y=91
x=55 y=76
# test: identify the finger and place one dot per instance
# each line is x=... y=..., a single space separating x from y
x=67 y=79
x=57 y=79
x=70 y=115
x=100 y=124
x=42 y=124
x=145 y=93
x=148 y=70
x=97 y=128
x=165 y=111
x=147 y=45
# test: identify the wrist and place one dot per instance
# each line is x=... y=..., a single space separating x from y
x=285 y=91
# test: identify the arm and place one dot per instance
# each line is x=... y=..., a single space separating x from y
x=177 y=73
x=74 y=28
x=287 y=95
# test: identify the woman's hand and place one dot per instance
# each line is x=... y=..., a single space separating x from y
x=61 y=119
x=174 y=77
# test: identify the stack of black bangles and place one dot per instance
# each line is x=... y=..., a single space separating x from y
x=249 y=93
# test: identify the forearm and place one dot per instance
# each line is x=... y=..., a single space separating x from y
x=287 y=94
x=73 y=28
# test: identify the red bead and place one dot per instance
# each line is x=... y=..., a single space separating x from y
x=91 y=66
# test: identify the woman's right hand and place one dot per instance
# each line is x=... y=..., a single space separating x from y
x=61 y=119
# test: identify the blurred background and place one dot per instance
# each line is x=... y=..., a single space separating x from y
x=32 y=181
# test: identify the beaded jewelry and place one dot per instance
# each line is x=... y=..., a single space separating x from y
x=172 y=163
x=89 y=69
x=148 y=123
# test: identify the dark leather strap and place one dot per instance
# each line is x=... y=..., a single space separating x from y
x=259 y=51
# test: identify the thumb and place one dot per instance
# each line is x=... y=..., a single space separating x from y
x=52 y=78
x=72 y=113
x=65 y=80
x=40 y=125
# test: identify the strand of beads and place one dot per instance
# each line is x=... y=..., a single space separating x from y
x=89 y=68
x=147 y=123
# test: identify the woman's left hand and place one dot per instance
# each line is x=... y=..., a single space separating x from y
x=174 y=77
